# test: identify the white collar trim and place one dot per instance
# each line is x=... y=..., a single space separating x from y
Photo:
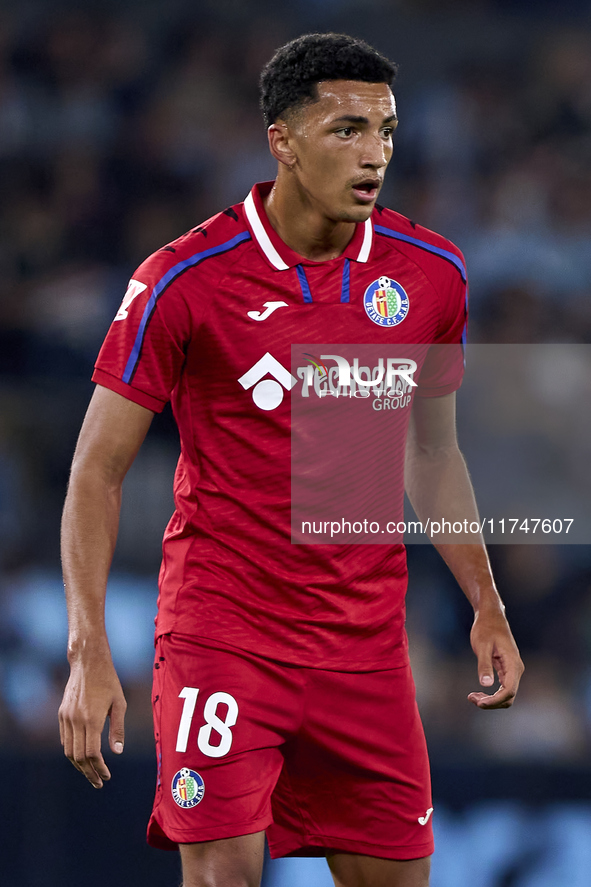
x=271 y=253
x=261 y=235
x=367 y=242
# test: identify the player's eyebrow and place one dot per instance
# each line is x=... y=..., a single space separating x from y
x=351 y=118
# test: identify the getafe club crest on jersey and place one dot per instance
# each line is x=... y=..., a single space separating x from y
x=187 y=787
x=386 y=302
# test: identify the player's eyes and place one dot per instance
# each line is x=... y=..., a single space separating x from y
x=345 y=132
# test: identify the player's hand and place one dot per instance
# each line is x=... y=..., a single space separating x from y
x=92 y=694
x=496 y=651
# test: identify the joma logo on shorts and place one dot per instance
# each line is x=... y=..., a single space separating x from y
x=423 y=820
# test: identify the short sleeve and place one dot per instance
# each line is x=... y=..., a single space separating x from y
x=144 y=351
x=443 y=369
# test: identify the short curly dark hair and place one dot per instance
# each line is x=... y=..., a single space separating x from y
x=289 y=79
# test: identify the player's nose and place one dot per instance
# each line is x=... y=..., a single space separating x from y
x=375 y=153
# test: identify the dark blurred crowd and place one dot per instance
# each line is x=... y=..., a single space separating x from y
x=119 y=131
x=120 y=128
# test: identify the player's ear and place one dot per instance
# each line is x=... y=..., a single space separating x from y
x=279 y=136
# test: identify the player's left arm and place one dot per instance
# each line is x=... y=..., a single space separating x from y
x=439 y=488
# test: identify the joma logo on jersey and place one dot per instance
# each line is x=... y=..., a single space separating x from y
x=269 y=307
x=267 y=393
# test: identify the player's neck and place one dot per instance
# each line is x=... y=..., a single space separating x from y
x=303 y=227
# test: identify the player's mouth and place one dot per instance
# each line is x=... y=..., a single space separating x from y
x=367 y=190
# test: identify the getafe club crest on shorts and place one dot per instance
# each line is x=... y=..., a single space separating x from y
x=188 y=788
x=386 y=302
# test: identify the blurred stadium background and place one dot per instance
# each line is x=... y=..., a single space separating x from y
x=121 y=126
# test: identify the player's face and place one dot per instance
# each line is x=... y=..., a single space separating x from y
x=342 y=145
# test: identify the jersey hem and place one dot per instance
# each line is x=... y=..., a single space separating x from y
x=399 y=660
x=101 y=377
x=314 y=845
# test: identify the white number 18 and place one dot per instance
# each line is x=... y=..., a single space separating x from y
x=212 y=722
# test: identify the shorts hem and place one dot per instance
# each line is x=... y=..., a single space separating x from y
x=171 y=838
x=314 y=845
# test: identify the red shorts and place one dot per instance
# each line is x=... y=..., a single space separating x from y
x=320 y=759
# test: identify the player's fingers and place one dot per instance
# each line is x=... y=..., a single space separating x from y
x=503 y=698
x=87 y=758
x=486 y=672
x=117 y=726
x=69 y=731
x=509 y=682
x=96 y=763
x=74 y=743
x=67 y=738
x=70 y=740
x=97 y=769
x=78 y=754
x=61 y=726
x=509 y=668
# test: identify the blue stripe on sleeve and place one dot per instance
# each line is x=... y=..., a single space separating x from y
x=304 y=283
x=162 y=284
x=422 y=244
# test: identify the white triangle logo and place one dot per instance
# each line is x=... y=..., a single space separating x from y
x=134 y=288
x=267 y=393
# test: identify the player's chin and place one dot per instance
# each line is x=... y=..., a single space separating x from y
x=357 y=213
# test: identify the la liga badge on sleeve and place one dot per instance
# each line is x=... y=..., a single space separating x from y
x=386 y=302
x=187 y=788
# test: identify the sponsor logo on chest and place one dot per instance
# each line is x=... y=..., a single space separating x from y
x=389 y=382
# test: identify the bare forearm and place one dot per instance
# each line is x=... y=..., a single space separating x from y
x=111 y=435
x=439 y=488
x=438 y=483
x=89 y=532
x=470 y=565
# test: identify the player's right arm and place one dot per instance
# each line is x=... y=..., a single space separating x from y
x=112 y=433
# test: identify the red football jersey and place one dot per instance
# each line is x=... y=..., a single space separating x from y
x=209 y=322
